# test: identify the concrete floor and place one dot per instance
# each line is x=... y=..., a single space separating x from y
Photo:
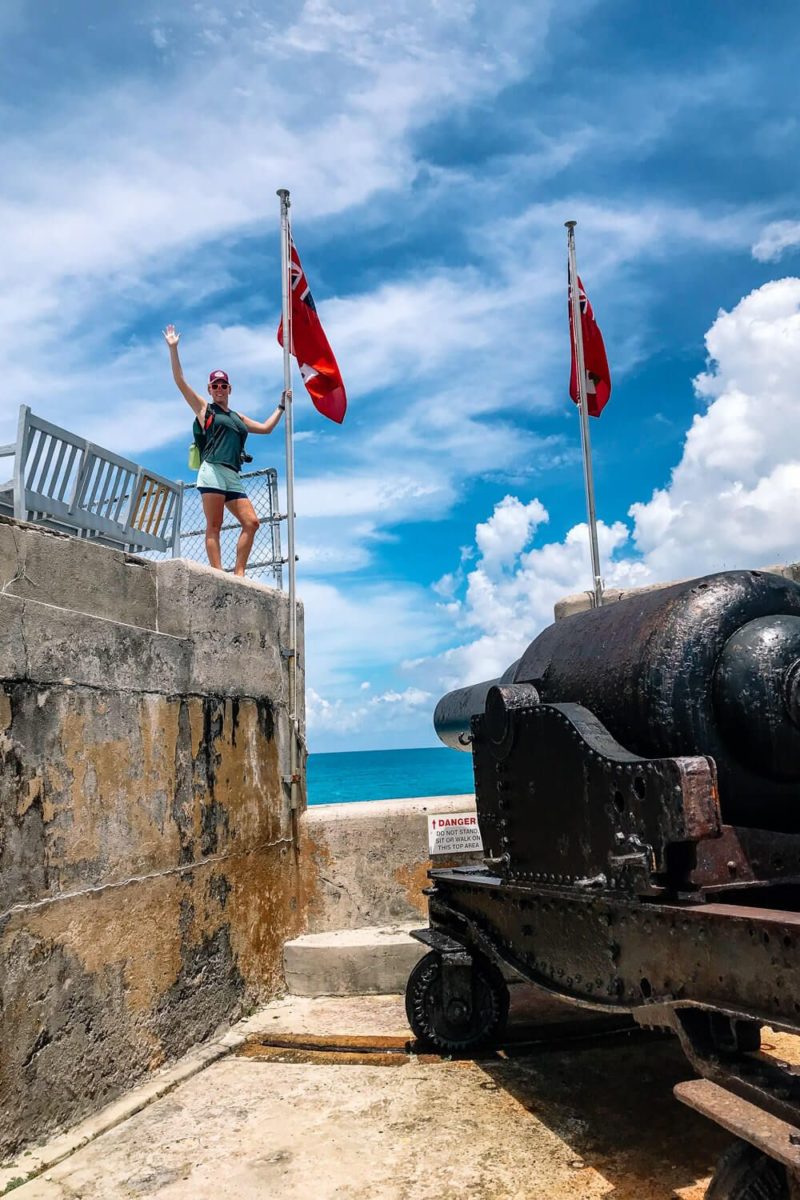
x=585 y=1121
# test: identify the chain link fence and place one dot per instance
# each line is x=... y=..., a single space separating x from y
x=265 y=562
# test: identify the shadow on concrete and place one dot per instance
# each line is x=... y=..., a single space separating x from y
x=608 y=1096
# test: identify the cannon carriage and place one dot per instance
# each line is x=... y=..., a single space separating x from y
x=637 y=776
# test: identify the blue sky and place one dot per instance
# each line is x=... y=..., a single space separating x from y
x=433 y=151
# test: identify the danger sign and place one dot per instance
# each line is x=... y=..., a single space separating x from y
x=454 y=833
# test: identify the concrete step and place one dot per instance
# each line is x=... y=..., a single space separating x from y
x=352 y=962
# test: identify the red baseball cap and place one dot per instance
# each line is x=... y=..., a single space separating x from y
x=218 y=375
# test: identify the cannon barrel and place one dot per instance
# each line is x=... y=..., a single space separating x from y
x=454 y=712
x=710 y=667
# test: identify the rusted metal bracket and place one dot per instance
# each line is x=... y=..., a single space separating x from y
x=776 y=1138
x=441 y=942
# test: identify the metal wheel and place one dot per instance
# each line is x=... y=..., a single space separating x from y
x=744 y=1173
x=455 y=1029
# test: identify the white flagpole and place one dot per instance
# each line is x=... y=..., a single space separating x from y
x=580 y=370
x=286 y=258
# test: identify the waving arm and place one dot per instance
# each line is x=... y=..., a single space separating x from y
x=195 y=402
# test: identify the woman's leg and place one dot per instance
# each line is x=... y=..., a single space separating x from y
x=214 y=509
x=246 y=516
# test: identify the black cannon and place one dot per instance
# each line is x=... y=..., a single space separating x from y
x=637 y=775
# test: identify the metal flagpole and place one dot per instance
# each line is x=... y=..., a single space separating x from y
x=586 y=447
x=286 y=258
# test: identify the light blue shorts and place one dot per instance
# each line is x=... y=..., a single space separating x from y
x=215 y=478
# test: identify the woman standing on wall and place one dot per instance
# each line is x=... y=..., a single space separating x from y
x=220 y=434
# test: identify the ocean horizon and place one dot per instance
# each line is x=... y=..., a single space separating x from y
x=358 y=775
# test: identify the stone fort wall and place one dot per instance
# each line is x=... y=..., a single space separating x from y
x=149 y=873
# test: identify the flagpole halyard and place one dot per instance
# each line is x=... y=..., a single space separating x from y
x=583 y=407
x=286 y=305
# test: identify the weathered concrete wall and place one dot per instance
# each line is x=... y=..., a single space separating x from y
x=582 y=601
x=148 y=874
x=369 y=861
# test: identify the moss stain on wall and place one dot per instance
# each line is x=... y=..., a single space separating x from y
x=167 y=885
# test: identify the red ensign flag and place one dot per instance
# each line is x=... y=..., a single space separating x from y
x=598 y=376
x=310 y=347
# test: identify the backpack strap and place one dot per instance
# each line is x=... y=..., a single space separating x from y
x=208 y=441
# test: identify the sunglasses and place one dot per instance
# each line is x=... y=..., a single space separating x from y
x=215 y=387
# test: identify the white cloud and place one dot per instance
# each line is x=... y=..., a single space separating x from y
x=390 y=715
x=418 y=324
x=116 y=208
x=775 y=239
x=503 y=609
x=116 y=211
x=123 y=200
x=356 y=495
x=446 y=586
x=410 y=698
x=337 y=716
x=734 y=498
x=504 y=536
x=360 y=627
x=732 y=501
x=624 y=231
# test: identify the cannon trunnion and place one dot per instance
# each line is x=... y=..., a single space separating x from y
x=637 y=775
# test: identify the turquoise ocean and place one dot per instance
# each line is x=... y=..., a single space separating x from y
x=388 y=774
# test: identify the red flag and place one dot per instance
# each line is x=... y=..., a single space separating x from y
x=598 y=376
x=310 y=347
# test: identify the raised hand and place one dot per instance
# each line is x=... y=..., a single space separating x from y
x=171 y=337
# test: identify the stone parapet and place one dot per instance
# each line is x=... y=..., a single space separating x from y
x=369 y=861
x=238 y=640
x=149 y=873
x=68 y=572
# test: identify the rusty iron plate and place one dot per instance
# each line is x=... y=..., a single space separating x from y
x=774 y=1137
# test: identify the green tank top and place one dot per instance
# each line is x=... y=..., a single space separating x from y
x=224 y=440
